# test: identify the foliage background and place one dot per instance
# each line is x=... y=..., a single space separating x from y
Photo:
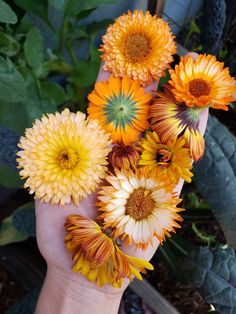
x=41 y=74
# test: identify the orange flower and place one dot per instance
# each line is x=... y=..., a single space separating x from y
x=171 y=158
x=139 y=46
x=123 y=156
x=97 y=257
x=121 y=106
x=171 y=119
x=139 y=205
x=202 y=82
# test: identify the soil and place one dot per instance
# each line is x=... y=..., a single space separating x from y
x=185 y=298
x=10 y=290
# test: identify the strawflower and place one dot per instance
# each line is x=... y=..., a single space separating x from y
x=139 y=46
x=96 y=255
x=171 y=158
x=139 y=206
x=63 y=157
x=122 y=108
x=203 y=82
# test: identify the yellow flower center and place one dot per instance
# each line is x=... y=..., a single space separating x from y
x=67 y=158
x=164 y=157
x=140 y=204
x=136 y=47
x=199 y=87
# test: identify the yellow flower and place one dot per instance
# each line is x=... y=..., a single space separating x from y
x=139 y=206
x=97 y=257
x=171 y=119
x=171 y=158
x=139 y=46
x=63 y=157
x=202 y=82
x=121 y=106
x=123 y=156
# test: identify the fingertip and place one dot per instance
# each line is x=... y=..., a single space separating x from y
x=102 y=74
x=194 y=55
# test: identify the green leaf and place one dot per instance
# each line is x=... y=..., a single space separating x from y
x=19 y=226
x=8 y=234
x=77 y=33
x=194 y=27
x=85 y=73
x=95 y=27
x=10 y=178
x=214 y=272
x=37 y=7
x=164 y=80
x=7 y=15
x=215 y=176
x=8 y=45
x=23 y=219
x=33 y=48
x=57 y=4
x=54 y=91
x=74 y=7
x=14 y=116
x=12 y=85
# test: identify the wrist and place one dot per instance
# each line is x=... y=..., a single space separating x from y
x=65 y=292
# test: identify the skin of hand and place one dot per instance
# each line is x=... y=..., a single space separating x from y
x=63 y=290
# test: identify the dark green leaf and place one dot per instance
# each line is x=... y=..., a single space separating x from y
x=164 y=80
x=77 y=33
x=14 y=116
x=36 y=107
x=33 y=48
x=6 y=14
x=23 y=219
x=8 y=45
x=86 y=73
x=214 y=272
x=37 y=7
x=57 y=4
x=54 y=91
x=94 y=53
x=8 y=234
x=12 y=85
x=10 y=178
x=215 y=176
x=95 y=27
x=74 y=7
x=194 y=27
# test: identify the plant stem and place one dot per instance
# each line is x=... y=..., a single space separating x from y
x=206 y=238
x=71 y=52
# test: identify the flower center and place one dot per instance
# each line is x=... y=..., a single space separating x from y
x=199 y=87
x=67 y=158
x=120 y=109
x=164 y=157
x=140 y=204
x=136 y=47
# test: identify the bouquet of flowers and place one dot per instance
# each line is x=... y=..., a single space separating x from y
x=133 y=149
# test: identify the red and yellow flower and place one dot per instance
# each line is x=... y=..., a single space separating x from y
x=171 y=158
x=171 y=120
x=97 y=257
x=123 y=156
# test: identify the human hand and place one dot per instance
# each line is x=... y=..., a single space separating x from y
x=69 y=290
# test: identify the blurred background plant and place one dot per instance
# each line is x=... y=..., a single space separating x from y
x=49 y=60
